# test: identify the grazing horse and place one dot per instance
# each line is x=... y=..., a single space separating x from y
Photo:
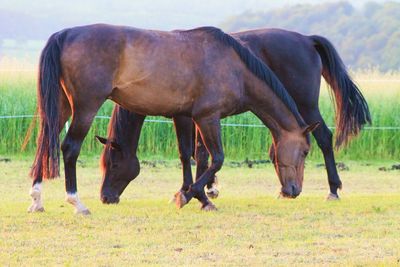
x=298 y=61
x=201 y=73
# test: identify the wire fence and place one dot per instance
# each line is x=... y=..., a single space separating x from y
x=223 y=124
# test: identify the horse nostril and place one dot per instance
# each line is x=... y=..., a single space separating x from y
x=293 y=190
x=107 y=199
x=296 y=191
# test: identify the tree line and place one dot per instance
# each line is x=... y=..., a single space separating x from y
x=366 y=37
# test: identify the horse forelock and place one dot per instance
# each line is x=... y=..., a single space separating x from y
x=118 y=123
x=120 y=118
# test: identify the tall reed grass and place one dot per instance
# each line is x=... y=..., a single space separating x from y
x=18 y=97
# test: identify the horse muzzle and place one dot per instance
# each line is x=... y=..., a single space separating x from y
x=109 y=197
x=290 y=191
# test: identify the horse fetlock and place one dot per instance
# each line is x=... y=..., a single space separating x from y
x=73 y=199
x=212 y=192
x=35 y=193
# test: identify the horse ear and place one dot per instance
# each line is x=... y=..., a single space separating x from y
x=311 y=127
x=101 y=139
x=115 y=145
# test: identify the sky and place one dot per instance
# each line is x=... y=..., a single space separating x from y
x=153 y=14
x=26 y=24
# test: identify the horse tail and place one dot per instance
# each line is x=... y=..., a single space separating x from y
x=47 y=159
x=352 y=110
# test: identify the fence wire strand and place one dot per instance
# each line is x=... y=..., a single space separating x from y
x=223 y=124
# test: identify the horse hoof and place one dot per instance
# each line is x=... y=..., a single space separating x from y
x=332 y=197
x=212 y=192
x=35 y=208
x=83 y=212
x=180 y=200
x=172 y=200
x=209 y=207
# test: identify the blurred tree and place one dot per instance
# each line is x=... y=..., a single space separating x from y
x=368 y=37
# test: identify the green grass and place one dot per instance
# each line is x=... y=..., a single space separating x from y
x=251 y=228
x=18 y=96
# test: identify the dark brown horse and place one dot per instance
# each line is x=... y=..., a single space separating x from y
x=202 y=73
x=298 y=61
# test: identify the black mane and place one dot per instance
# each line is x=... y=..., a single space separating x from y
x=119 y=123
x=119 y=128
x=258 y=68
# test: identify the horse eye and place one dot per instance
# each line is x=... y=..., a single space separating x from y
x=114 y=166
x=306 y=153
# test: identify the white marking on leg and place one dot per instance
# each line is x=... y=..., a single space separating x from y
x=79 y=207
x=213 y=192
x=35 y=193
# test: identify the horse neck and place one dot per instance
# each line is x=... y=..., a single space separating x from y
x=279 y=123
x=268 y=107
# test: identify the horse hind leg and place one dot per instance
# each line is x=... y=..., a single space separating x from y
x=183 y=129
x=35 y=191
x=323 y=136
x=36 y=194
x=201 y=156
x=82 y=118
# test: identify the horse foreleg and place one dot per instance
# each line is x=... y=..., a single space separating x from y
x=210 y=130
x=323 y=137
x=184 y=130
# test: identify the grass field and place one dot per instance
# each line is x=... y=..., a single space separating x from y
x=251 y=228
x=382 y=91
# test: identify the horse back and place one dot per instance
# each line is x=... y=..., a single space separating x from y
x=149 y=72
x=293 y=58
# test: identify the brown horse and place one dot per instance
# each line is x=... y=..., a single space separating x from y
x=296 y=60
x=202 y=73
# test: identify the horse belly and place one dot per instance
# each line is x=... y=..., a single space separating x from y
x=150 y=100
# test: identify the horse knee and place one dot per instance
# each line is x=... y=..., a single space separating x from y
x=217 y=162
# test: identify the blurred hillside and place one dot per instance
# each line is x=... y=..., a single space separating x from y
x=367 y=34
x=365 y=37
